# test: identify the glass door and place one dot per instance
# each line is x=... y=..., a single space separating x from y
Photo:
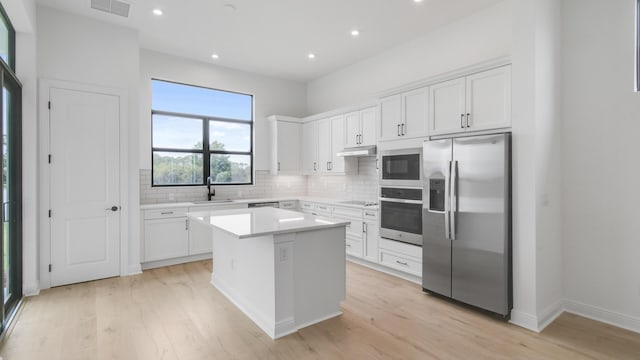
x=11 y=196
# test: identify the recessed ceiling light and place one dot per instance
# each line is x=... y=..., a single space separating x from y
x=355 y=32
x=311 y=56
x=417 y=1
x=157 y=12
x=215 y=56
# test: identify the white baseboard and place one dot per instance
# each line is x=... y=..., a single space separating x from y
x=134 y=270
x=548 y=315
x=31 y=289
x=525 y=320
x=603 y=315
x=175 y=261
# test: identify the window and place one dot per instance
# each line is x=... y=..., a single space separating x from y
x=7 y=41
x=199 y=133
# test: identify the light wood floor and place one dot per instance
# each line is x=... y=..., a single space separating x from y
x=174 y=313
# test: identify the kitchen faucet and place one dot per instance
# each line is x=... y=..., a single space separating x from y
x=211 y=192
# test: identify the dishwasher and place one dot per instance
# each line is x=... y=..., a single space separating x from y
x=274 y=204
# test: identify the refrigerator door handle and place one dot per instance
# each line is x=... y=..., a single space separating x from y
x=454 y=197
x=447 y=208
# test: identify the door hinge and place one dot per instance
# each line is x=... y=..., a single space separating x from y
x=49 y=212
x=49 y=105
x=49 y=158
x=49 y=267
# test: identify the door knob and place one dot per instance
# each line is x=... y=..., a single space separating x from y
x=113 y=208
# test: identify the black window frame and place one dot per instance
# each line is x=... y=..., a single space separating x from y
x=206 y=152
x=11 y=41
x=636 y=69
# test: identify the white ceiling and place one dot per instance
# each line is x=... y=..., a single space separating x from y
x=273 y=37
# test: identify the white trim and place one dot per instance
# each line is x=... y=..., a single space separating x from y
x=173 y=261
x=315 y=321
x=134 y=269
x=603 y=315
x=31 y=289
x=548 y=315
x=44 y=86
x=525 y=320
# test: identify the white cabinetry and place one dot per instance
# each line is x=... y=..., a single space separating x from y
x=370 y=235
x=354 y=230
x=360 y=128
x=401 y=256
x=480 y=101
x=309 y=148
x=404 y=116
x=285 y=135
x=166 y=234
x=200 y=234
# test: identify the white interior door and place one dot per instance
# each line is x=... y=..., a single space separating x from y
x=84 y=183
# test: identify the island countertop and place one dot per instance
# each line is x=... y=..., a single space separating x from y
x=252 y=222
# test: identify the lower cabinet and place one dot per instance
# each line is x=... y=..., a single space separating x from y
x=165 y=238
x=401 y=256
x=370 y=235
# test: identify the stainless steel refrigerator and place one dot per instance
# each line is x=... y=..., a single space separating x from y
x=467 y=221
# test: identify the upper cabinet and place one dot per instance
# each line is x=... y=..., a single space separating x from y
x=309 y=148
x=476 y=102
x=285 y=139
x=404 y=116
x=360 y=128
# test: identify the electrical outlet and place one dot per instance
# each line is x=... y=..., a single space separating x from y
x=172 y=196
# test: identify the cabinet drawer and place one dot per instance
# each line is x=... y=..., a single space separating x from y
x=165 y=213
x=306 y=205
x=323 y=208
x=345 y=211
x=353 y=247
x=354 y=228
x=402 y=263
x=370 y=215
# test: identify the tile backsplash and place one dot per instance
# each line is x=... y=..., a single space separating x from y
x=266 y=185
x=362 y=186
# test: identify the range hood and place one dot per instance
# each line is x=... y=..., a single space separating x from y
x=358 y=151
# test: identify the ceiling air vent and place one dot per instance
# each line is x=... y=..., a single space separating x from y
x=115 y=7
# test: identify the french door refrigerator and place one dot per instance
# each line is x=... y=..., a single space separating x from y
x=467 y=221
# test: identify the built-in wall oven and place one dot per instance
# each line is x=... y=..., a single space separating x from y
x=401 y=168
x=401 y=214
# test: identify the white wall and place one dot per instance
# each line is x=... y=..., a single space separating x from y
x=271 y=96
x=83 y=50
x=477 y=38
x=600 y=150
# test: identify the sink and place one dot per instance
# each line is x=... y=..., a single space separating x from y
x=217 y=201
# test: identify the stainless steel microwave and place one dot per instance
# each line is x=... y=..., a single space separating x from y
x=401 y=167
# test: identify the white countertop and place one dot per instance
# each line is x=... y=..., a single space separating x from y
x=328 y=201
x=246 y=223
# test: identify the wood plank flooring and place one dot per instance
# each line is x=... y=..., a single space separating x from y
x=174 y=313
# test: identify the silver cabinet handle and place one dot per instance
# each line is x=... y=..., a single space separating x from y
x=468 y=116
x=186 y=224
x=162 y=213
x=278 y=165
x=357 y=139
x=462 y=121
x=402 y=263
x=377 y=166
x=402 y=129
x=348 y=245
x=314 y=166
x=398 y=129
x=364 y=227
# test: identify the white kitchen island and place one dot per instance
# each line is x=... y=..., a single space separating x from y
x=285 y=270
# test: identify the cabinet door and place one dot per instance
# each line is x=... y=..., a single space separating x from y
x=352 y=129
x=415 y=116
x=368 y=126
x=200 y=238
x=309 y=147
x=370 y=238
x=447 y=107
x=324 y=145
x=165 y=238
x=390 y=117
x=489 y=99
x=288 y=145
x=337 y=144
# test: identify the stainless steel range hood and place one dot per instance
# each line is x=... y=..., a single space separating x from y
x=358 y=151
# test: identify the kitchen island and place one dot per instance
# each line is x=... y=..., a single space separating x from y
x=284 y=269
